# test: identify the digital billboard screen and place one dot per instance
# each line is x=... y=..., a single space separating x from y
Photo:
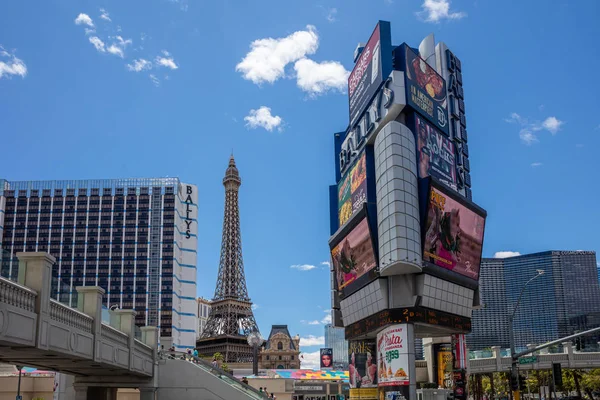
x=392 y=353
x=354 y=256
x=435 y=152
x=352 y=190
x=444 y=358
x=453 y=232
x=373 y=66
x=426 y=90
x=362 y=363
x=326 y=358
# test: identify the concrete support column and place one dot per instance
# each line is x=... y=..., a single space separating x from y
x=147 y=393
x=497 y=352
x=124 y=321
x=81 y=392
x=89 y=302
x=568 y=348
x=429 y=357
x=410 y=336
x=150 y=337
x=35 y=272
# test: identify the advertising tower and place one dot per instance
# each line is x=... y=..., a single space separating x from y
x=406 y=238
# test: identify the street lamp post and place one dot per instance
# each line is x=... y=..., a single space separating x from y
x=20 y=368
x=255 y=340
x=514 y=373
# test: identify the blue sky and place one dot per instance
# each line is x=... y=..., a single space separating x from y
x=107 y=89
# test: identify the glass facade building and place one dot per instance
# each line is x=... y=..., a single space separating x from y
x=335 y=339
x=564 y=300
x=135 y=238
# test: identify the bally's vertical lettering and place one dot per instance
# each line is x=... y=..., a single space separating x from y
x=458 y=123
x=188 y=211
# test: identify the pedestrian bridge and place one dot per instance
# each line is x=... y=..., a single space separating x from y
x=568 y=359
x=97 y=358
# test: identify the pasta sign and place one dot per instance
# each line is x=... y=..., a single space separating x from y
x=392 y=353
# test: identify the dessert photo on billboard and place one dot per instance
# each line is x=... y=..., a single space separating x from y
x=362 y=363
x=426 y=90
x=354 y=256
x=392 y=355
x=453 y=237
x=352 y=190
x=435 y=152
x=326 y=358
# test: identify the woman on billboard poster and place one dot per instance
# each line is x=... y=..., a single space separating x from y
x=443 y=237
x=353 y=374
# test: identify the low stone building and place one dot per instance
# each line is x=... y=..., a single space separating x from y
x=281 y=351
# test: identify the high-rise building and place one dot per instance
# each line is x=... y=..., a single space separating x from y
x=202 y=314
x=335 y=339
x=135 y=238
x=564 y=300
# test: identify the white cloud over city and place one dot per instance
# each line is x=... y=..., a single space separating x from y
x=84 y=19
x=529 y=130
x=506 y=254
x=312 y=340
x=437 y=10
x=262 y=118
x=319 y=78
x=310 y=360
x=536 y=164
x=303 y=267
x=11 y=65
x=268 y=57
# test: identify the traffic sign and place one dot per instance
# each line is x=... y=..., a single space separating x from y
x=527 y=360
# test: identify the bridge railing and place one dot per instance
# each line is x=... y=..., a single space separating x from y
x=70 y=316
x=17 y=295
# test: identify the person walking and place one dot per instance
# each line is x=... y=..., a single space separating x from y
x=245 y=380
x=195 y=353
x=214 y=363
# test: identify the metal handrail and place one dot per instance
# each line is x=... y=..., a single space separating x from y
x=214 y=370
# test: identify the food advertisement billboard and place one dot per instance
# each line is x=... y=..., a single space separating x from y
x=373 y=66
x=354 y=256
x=436 y=153
x=443 y=358
x=392 y=353
x=352 y=190
x=453 y=237
x=326 y=358
x=362 y=363
x=426 y=90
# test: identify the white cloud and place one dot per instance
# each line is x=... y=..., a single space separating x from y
x=11 y=65
x=327 y=319
x=84 y=19
x=263 y=118
x=536 y=164
x=310 y=360
x=552 y=124
x=139 y=65
x=326 y=264
x=303 y=267
x=255 y=306
x=318 y=78
x=116 y=50
x=166 y=61
x=98 y=43
x=268 y=57
x=154 y=80
x=506 y=254
x=527 y=135
x=89 y=31
x=437 y=10
x=311 y=340
x=315 y=322
x=104 y=15
x=331 y=13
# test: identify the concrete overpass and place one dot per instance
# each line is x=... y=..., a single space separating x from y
x=96 y=358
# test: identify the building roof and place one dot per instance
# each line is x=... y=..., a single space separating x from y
x=275 y=329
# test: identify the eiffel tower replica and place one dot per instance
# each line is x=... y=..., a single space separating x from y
x=231 y=319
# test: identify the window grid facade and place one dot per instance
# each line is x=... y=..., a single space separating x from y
x=116 y=234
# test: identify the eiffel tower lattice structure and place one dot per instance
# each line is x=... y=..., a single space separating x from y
x=231 y=319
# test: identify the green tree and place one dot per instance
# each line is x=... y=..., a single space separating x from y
x=218 y=356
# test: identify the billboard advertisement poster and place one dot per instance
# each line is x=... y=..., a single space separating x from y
x=394 y=393
x=392 y=353
x=352 y=190
x=362 y=363
x=445 y=368
x=426 y=90
x=436 y=153
x=354 y=256
x=453 y=235
x=326 y=358
x=373 y=65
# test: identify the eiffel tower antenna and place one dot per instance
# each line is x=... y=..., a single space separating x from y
x=231 y=319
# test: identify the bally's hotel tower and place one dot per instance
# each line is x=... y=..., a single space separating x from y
x=135 y=238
